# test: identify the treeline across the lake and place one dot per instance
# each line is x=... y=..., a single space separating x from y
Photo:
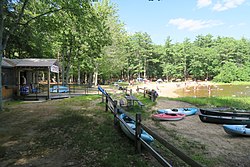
x=222 y=59
x=92 y=44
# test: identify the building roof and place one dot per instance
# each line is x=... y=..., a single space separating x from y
x=7 y=63
x=29 y=62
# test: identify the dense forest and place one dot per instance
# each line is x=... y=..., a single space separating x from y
x=92 y=44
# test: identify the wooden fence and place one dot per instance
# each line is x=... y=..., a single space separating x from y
x=115 y=109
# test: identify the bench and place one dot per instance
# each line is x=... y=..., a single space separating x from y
x=140 y=103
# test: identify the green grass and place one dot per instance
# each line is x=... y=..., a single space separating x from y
x=79 y=127
x=10 y=103
x=92 y=136
x=233 y=102
x=232 y=83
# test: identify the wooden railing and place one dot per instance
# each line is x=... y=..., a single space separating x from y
x=115 y=109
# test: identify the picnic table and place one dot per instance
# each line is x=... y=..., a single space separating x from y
x=130 y=100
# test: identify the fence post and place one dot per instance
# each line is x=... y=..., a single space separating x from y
x=69 y=88
x=107 y=101
x=102 y=97
x=144 y=92
x=115 y=112
x=138 y=133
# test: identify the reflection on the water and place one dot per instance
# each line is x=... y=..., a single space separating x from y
x=207 y=90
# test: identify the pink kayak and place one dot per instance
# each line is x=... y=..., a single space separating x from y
x=168 y=117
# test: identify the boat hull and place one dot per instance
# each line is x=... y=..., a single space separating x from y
x=224 y=119
x=62 y=89
x=131 y=132
x=237 y=129
x=186 y=111
x=168 y=117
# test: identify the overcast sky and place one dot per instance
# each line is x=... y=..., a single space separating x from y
x=182 y=19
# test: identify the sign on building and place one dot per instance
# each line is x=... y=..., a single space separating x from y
x=54 y=69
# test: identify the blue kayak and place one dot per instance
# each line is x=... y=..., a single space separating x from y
x=102 y=90
x=237 y=129
x=186 y=111
x=62 y=89
x=131 y=131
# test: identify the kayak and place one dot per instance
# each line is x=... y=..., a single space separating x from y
x=186 y=111
x=130 y=130
x=237 y=129
x=168 y=117
x=62 y=89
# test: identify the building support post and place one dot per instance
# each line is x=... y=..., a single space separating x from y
x=48 y=83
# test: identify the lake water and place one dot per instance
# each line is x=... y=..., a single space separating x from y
x=215 y=91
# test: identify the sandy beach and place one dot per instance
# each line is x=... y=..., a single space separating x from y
x=169 y=89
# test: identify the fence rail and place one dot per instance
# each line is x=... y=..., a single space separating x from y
x=112 y=106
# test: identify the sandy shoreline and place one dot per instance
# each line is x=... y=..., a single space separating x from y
x=169 y=89
x=165 y=89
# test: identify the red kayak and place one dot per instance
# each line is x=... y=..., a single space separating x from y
x=168 y=117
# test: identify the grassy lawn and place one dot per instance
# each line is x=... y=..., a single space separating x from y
x=233 y=102
x=232 y=83
x=74 y=132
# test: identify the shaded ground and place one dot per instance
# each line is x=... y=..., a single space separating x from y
x=63 y=133
x=210 y=139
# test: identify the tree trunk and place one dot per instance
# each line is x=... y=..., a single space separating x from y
x=68 y=62
x=1 y=51
x=85 y=78
x=58 y=74
x=63 y=59
x=128 y=76
x=139 y=70
x=79 y=69
x=96 y=74
x=96 y=77
x=145 y=68
x=90 y=79
x=139 y=67
x=79 y=74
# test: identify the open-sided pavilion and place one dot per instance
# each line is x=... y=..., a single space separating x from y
x=26 y=72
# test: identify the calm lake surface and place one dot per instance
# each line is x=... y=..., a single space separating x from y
x=215 y=91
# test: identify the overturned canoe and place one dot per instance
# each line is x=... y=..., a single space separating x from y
x=186 y=111
x=237 y=129
x=168 y=117
x=130 y=130
x=224 y=119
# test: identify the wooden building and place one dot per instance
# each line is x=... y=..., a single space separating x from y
x=20 y=73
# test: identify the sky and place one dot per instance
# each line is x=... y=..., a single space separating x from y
x=180 y=19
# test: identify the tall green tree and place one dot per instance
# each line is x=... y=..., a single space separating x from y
x=141 y=50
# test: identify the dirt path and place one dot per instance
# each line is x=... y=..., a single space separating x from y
x=216 y=144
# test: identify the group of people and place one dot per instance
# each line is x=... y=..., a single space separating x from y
x=152 y=94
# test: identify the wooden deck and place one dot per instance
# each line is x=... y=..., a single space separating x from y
x=54 y=96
